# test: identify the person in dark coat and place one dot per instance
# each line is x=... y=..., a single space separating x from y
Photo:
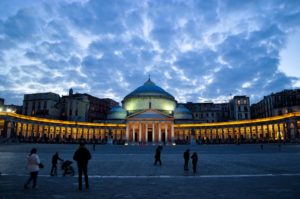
x=194 y=158
x=55 y=158
x=157 y=155
x=82 y=156
x=186 y=156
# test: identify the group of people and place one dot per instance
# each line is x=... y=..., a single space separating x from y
x=194 y=157
x=82 y=155
x=186 y=156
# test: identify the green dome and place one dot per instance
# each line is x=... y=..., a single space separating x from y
x=149 y=96
x=117 y=112
x=181 y=112
x=149 y=89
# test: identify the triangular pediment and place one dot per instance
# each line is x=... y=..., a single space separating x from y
x=149 y=114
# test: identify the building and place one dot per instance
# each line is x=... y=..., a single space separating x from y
x=286 y=101
x=240 y=108
x=150 y=115
x=85 y=107
x=10 y=108
x=44 y=105
x=208 y=112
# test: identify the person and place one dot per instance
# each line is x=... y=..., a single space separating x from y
x=55 y=158
x=82 y=155
x=194 y=158
x=33 y=162
x=186 y=156
x=157 y=155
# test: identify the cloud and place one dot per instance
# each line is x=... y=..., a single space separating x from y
x=196 y=50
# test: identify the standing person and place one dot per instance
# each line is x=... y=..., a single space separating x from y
x=82 y=156
x=55 y=158
x=186 y=156
x=194 y=158
x=33 y=162
x=157 y=155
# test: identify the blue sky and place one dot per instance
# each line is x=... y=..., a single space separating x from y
x=196 y=50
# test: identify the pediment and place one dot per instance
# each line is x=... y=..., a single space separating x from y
x=149 y=114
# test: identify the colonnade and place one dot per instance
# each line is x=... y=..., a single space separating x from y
x=286 y=128
x=273 y=131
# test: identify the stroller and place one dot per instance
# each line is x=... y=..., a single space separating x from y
x=67 y=168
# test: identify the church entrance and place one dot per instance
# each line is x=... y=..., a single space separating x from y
x=163 y=137
x=149 y=135
x=136 y=137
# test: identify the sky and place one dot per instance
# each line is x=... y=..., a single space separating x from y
x=196 y=50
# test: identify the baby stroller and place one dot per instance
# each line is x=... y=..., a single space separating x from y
x=67 y=168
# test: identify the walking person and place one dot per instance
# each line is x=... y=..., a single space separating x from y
x=55 y=158
x=194 y=158
x=157 y=155
x=33 y=162
x=186 y=156
x=82 y=156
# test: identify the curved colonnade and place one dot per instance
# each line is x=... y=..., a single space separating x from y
x=33 y=129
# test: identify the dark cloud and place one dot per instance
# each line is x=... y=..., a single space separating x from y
x=193 y=49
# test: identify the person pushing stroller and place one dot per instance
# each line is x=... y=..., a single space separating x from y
x=55 y=158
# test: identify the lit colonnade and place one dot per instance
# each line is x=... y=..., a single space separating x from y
x=285 y=127
x=46 y=130
x=150 y=130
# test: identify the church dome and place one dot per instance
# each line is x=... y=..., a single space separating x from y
x=117 y=112
x=181 y=112
x=149 y=96
x=150 y=89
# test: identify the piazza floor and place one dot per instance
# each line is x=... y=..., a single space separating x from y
x=224 y=171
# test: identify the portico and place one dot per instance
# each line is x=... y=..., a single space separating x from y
x=150 y=126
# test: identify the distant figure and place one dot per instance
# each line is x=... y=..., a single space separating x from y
x=55 y=158
x=157 y=155
x=33 y=162
x=194 y=158
x=262 y=147
x=82 y=156
x=186 y=156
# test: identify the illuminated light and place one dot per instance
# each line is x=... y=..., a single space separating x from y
x=126 y=144
x=217 y=124
x=8 y=110
x=174 y=144
x=1 y=109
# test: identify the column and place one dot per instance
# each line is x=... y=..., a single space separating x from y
x=159 y=131
x=140 y=132
x=172 y=132
x=146 y=133
x=153 y=132
x=127 y=131
x=133 y=133
x=166 y=131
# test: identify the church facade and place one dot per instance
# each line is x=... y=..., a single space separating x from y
x=150 y=115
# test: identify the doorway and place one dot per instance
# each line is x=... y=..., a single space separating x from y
x=150 y=135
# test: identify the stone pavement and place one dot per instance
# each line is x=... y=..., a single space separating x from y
x=225 y=171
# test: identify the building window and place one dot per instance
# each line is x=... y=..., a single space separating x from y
x=45 y=104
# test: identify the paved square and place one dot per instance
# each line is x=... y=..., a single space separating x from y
x=225 y=171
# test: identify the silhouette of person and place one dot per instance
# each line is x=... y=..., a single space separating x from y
x=33 y=162
x=82 y=156
x=55 y=158
x=157 y=155
x=186 y=156
x=194 y=158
